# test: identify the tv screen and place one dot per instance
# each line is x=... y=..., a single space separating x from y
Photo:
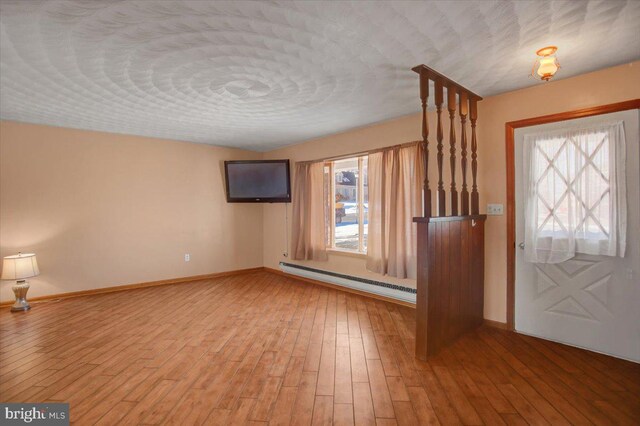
x=257 y=181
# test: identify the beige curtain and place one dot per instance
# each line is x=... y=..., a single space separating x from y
x=309 y=236
x=395 y=197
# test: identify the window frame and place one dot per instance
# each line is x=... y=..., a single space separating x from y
x=362 y=250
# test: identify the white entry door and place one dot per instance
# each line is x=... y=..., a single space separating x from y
x=588 y=301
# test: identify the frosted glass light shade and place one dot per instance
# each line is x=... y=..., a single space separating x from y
x=19 y=267
x=548 y=67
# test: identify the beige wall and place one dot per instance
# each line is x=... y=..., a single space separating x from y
x=598 y=88
x=103 y=209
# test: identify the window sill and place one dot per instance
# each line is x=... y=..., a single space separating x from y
x=347 y=253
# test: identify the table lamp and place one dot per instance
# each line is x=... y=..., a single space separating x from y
x=18 y=267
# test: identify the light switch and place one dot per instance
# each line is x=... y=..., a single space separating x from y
x=495 y=209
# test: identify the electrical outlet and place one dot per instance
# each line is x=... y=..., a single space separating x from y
x=495 y=209
x=187 y=257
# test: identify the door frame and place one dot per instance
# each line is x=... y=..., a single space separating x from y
x=511 y=195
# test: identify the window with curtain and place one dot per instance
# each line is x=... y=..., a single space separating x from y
x=363 y=204
x=348 y=201
x=576 y=192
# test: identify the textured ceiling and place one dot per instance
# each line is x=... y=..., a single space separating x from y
x=260 y=75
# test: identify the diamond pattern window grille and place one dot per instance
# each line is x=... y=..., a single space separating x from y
x=573 y=173
x=575 y=192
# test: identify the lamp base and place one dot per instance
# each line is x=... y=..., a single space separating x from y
x=20 y=290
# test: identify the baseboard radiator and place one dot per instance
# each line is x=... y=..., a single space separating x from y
x=406 y=294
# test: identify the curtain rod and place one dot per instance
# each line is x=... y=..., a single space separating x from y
x=361 y=153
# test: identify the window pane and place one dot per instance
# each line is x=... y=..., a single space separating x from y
x=365 y=201
x=572 y=185
x=346 y=204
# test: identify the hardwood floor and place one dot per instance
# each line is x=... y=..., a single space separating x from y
x=261 y=348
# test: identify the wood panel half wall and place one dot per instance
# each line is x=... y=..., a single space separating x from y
x=450 y=280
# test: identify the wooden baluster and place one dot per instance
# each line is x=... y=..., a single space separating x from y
x=464 y=194
x=451 y=105
x=473 y=116
x=442 y=208
x=424 y=96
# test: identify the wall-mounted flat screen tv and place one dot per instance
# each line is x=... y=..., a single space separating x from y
x=258 y=181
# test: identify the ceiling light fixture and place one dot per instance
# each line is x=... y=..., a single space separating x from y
x=547 y=64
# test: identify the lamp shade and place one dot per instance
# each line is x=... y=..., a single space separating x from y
x=548 y=67
x=19 y=267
